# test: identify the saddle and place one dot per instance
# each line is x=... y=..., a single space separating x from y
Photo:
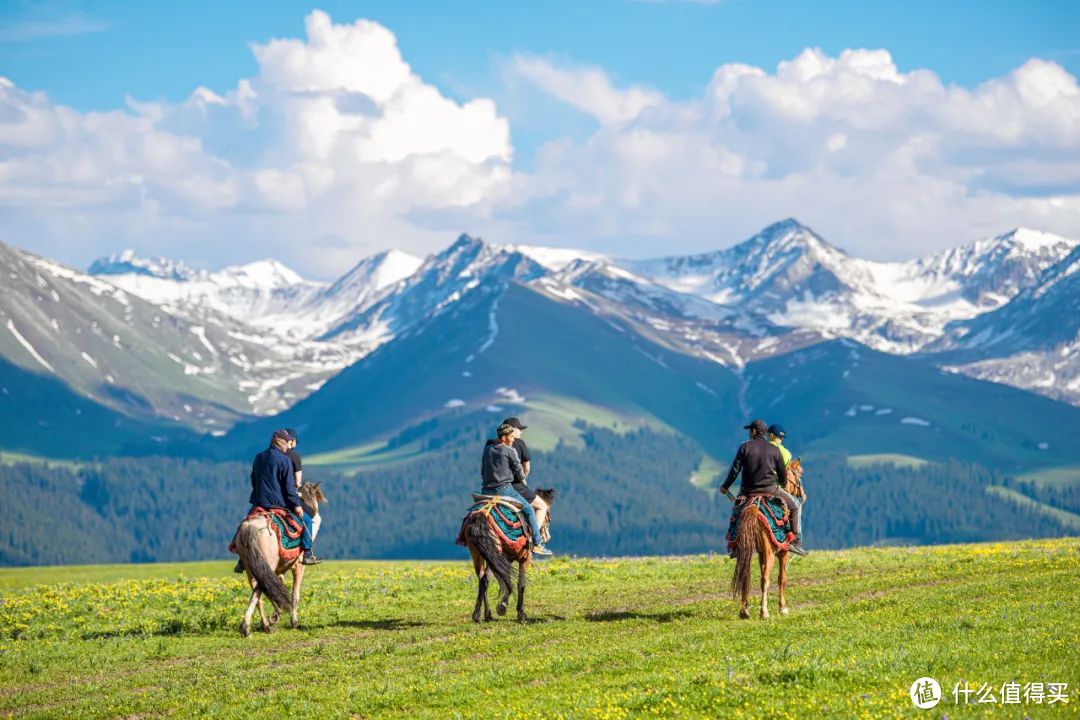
x=509 y=502
x=772 y=513
x=503 y=515
x=288 y=529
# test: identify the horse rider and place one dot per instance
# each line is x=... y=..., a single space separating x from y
x=525 y=456
x=298 y=470
x=776 y=437
x=273 y=485
x=500 y=467
x=764 y=473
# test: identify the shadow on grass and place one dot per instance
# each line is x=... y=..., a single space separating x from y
x=383 y=624
x=665 y=616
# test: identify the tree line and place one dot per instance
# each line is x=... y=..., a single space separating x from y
x=619 y=494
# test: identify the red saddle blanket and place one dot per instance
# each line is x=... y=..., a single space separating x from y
x=288 y=529
x=508 y=524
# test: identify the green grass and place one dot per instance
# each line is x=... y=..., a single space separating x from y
x=894 y=459
x=608 y=639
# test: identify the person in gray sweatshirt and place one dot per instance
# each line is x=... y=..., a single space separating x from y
x=500 y=467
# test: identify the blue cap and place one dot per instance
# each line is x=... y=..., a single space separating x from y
x=777 y=430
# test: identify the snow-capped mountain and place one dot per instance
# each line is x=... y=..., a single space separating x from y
x=157 y=336
x=246 y=293
x=790 y=276
x=439 y=282
x=202 y=369
x=1032 y=342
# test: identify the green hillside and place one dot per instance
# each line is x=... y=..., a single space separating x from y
x=566 y=364
x=41 y=416
x=607 y=639
x=842 y=397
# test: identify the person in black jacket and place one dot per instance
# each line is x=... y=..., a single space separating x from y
x=273 y=485
x=764 y=473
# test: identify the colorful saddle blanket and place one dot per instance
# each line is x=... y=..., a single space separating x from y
x=508 y=523
x=288 y=529
x=773 y=514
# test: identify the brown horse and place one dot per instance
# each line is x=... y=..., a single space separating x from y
x=753 y=535
x=491 y=556
x=260 y=553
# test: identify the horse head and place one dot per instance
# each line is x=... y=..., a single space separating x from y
x=794 y=479
x=311 y=495
x=548 y=496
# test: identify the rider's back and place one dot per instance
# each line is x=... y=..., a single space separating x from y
x=272 y=479
x=759 y=461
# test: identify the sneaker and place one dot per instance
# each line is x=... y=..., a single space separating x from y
x=541 y=550
x=239 y=567
x=310 y=559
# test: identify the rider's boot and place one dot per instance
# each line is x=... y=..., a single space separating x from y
x=797 y=548
x=309 y=558
x=540 y=550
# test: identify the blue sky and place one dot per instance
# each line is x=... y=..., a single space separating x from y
x=94 y=56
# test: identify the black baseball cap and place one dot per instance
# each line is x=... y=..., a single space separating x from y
x=777 y=430
x=758 y=425
x=292 y=434
x=514 y=422
x=281 y=435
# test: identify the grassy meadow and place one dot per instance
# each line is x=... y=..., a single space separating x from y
x=606 y=639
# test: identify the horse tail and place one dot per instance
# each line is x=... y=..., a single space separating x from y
x=744 y=550
x=267 y=581
x=479 y=536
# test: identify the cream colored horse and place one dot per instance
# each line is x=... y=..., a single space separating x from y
x=260 y=553
x=752 y=536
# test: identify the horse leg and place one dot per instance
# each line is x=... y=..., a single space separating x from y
x=256 y=596
x=782 y=582
x=266 y=624
x=297 y=580
x=481 y=583
x=521 y=592
x=488 y=617
x=765 y=552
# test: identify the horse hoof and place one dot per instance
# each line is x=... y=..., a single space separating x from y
x=295 y=624
x=488 y=617
x=274 y=618
x=764 y=614
x=267 y=629
x=744 y=615
x=245 y=629
x=522 y=618
x=476 y=618
x=784 y=611
x=501 y=610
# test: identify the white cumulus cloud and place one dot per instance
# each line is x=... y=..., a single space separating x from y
x=887 y=162
x=335 y=135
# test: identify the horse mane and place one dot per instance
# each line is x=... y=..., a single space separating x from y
x=312 y=496
x=547 y=494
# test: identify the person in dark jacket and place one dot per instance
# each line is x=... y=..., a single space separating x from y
x=500 y=467
x=273 y=485
x=764 y=472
